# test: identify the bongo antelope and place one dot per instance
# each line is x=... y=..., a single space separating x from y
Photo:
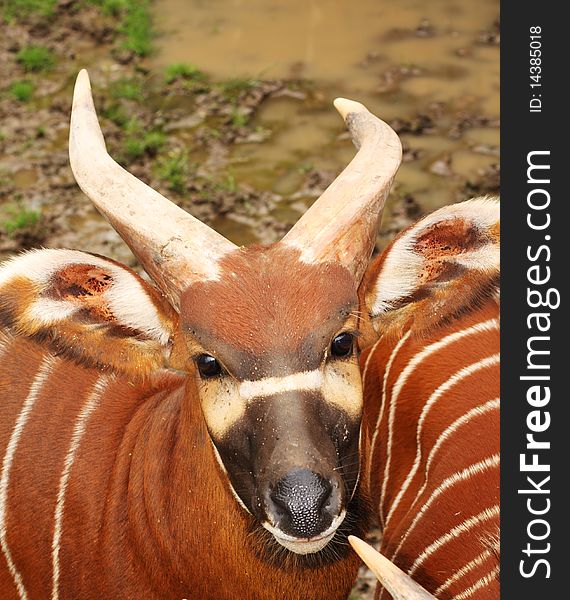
x=431 y=409
x=199 y=439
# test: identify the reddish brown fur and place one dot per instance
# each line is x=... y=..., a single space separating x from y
x=445 y=290
x=462 y=298
x=256 y=307
x=148 y=512
x=81 y=285
x=476 y=442
x=140 y=514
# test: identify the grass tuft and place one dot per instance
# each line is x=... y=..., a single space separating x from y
x=232 y=88
x=113 y=7
x=128 y=89
x=138 y=144
x=134 y=23
x=22 y=90
x=36 y=58
x=21 y=218
x=19 y=9
x=174 y=170
x=117 y=114
x=238 y=118
x=183 y=71
x=137 y=28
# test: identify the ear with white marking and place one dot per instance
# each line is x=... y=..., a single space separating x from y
x=87 y=308
x=444 y=265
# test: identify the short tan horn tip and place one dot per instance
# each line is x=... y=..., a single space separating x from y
x=83 y=110
x=399 y=584
x=345 y=107
x=364 y=550
x=82 y=90
x=83 y=76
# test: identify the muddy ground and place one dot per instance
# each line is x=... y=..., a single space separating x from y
x=179 y=136
x=178 y=132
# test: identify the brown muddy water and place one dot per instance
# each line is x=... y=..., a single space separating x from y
x=429 y=68
x=401 y=58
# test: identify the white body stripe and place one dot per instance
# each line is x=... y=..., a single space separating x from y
x=439 y=392
x=382 y=405
x=485 y=515
x=367 y=363
x=407 y=371
x=39 y=380
x=305 y=380
x=89 y=407
x=447 y=433
x=480 y=583
x=4 y=345
x=488 y=463
x=476 y=562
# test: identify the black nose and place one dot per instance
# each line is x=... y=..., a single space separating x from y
x=303 y=503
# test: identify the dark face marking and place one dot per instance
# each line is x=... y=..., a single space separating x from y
x=293 y=443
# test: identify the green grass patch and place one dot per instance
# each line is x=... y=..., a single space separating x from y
x=20 y=218
x=154 y=141
x=113 y=7
x=128 y=89
x=118 y=114
x=18 y=9
x=36 y=58
x=227 y=183
x=139 y=144
x=134 y=148
x=304 y=168
x=133 y=22
x=234 y=87
x=22 y=90
x=137 y=27
x=174 y=170
x=238 y=118
x=183 y=71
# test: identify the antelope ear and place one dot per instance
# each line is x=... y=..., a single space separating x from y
x=87 y=308
x=438 y=268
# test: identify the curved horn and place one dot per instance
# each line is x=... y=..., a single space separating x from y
x=174 y=248
x=399 y=584
x=341 y=225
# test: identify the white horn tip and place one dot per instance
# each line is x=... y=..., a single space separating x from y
x=85 y=127
x=400 y=585
x=83 y=75
x=82 y=82
x=345 y=107
x=82 y=90
x=365 y=551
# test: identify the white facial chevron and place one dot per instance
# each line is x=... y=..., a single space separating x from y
x=304 y=380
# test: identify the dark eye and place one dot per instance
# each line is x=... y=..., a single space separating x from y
x=208 y=366
x=342 y=344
